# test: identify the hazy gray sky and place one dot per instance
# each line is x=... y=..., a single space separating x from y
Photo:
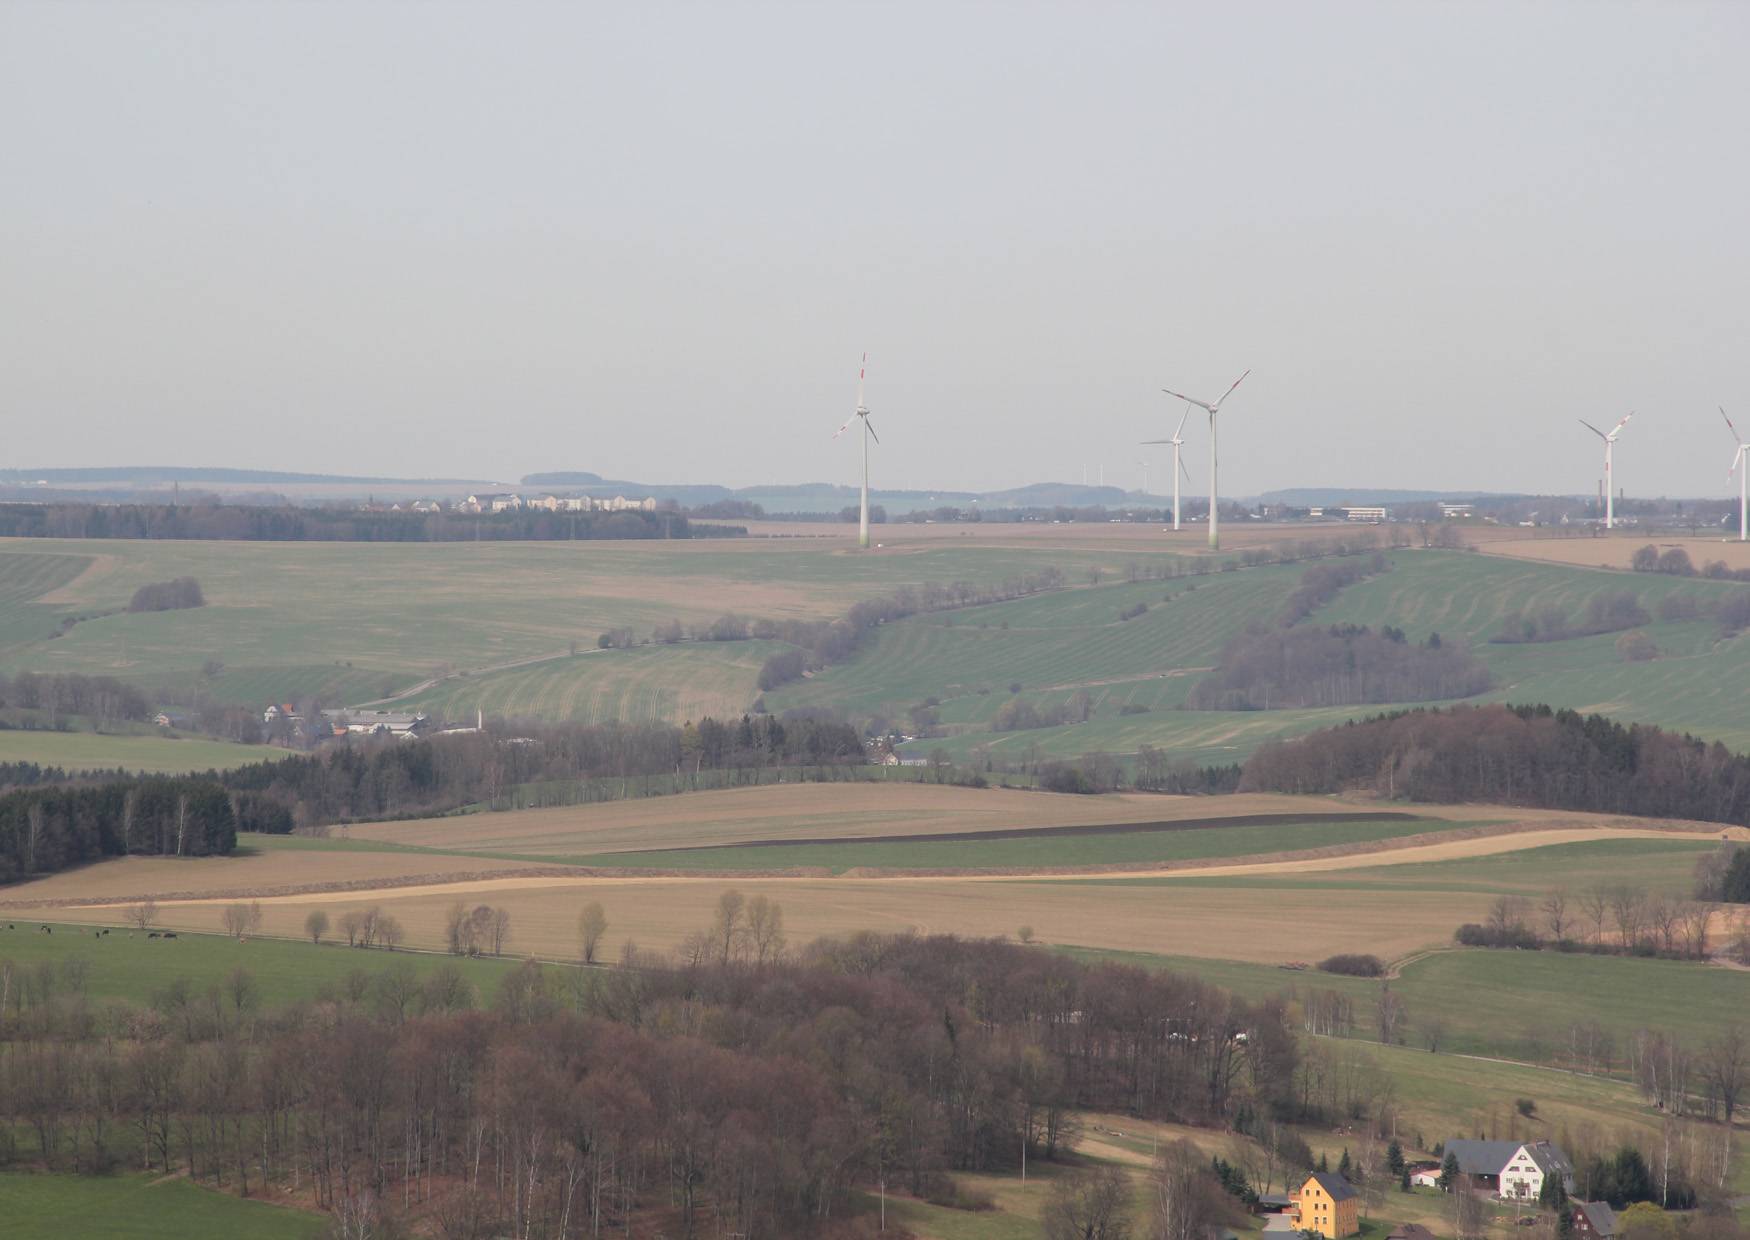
x=651 y=240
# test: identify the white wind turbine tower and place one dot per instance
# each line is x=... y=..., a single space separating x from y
x=1178 y=441
x=1609 y=482
x=1741 y=467
x=862 y=412
x=1213 y=409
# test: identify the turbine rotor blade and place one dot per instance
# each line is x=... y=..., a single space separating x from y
x=1188 y=399
x=1230 y=391
x=1594 y=429
x=847 y=426
x=1184 y=471
x=1730 y=427
x=870 y=429
x=1181 y=427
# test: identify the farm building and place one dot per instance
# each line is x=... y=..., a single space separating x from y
x=378 y=722
x=1593 y=1220
x=171 y=719
x=1327 y=1205
x=1424 y=1175
x=1512 y=1169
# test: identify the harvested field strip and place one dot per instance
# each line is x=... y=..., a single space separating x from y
x=1047 y=849
x=658 y=913
x=1033 y=833
x=815 y=810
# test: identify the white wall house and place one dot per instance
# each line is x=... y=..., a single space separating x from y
x=1531 y=1164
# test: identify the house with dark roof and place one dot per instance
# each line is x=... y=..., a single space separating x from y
x=1593 y=1220
x=1327 y=1205
x=1513 y=1169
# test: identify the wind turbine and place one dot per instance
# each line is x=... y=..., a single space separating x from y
x=1741 y=467
x=1213 y=409
x=1178 y=441
x=1609 y=445
x=862 y=411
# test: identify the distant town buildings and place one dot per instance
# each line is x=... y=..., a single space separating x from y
x=509 y=501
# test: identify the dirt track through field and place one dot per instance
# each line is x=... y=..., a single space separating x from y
x=1265 y=923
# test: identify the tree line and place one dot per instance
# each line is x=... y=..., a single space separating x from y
x=1514 y=755
x=726 y=1095
x=54 y=697
x=1612 y=612
x=1675 y=562
x=1344 y=665
x=46 y=829
x=253 y=523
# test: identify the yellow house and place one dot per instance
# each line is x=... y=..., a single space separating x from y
x=1327 y=1205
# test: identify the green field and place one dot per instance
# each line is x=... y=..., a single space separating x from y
x=159 y=755
x=685 y=681
x=135 y=968
x=351 y=621
x=1509 y=1004
x=1056 y=645
x=1698 y=684
x=1052 y=645
x=137 y=1207
x=1037 y=850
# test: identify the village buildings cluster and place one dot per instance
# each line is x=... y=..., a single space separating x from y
x=1326 y=1204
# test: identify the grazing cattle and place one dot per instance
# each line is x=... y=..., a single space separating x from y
x=46 y=929
x=170 y=934
x=153 y=935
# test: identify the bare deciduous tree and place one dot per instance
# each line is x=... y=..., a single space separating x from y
x=1727 y=1065
x=142 y=915
x=1187 y=1202
x=592 y=925
x=316 y=925
x=1555 y=913
x=1094 y=1205
x=765 y=929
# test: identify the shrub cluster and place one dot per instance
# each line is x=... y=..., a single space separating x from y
x=168 y=595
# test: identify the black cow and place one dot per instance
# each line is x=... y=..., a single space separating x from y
x=170 y=934
x=153 y=935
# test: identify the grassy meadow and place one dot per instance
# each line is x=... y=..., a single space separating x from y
x=154 y=754
x=394 y=614
x=138 y=1207
x=645 y=684
x=133 y=968
x=1057 y=645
